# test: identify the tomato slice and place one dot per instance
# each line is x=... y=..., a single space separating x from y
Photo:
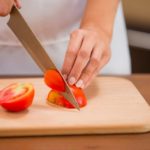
x=17 y=97
x=55 y=97
x=54 y=80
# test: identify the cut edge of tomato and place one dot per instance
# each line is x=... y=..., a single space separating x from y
x=63 y=102
x=6 y=89
x=27 y=86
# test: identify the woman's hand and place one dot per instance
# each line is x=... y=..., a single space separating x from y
x=89 y=46
x=6 y=6
x=88 y=51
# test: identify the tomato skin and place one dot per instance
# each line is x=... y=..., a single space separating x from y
x=79 y=95
x=18 y=102
x=55 y=97
x=54 y=80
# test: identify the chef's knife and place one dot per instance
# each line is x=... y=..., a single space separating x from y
x=25 y=35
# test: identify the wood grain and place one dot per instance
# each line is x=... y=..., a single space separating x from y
x=114 y=106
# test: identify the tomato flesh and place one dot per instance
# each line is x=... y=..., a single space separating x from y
x=17 y=97
x=55 y=97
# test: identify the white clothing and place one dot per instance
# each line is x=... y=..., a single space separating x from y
x=53 y=21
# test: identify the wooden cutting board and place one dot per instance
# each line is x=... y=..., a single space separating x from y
x=114 y=106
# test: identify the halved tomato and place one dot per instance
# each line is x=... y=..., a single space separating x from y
x=55 y=97
x=17 y=97
x=54 y=80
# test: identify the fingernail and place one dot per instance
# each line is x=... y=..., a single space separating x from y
x=79 y=83
x=65 y=76
x=72 y=81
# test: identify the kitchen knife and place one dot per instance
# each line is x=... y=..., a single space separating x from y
x=25 y=35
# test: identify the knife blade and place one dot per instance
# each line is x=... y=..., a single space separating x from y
x=25 y=35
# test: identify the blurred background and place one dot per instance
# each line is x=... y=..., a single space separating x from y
x=137 y=15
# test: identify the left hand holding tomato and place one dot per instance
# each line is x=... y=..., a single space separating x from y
x=88 y=51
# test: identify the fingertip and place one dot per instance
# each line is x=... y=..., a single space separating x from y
x=71 y=80
x=79 y=84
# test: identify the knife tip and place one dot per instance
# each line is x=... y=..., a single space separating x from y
x=78 y=108
x=76 y=105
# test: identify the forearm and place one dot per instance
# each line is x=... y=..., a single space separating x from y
x=100 y=14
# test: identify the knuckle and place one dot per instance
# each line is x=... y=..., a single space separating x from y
x=95 y=34
x=101 y=45
x=71 y=53
x=77 y=32
x=87 y=72
x=108 y=55
x=83 y=54
x=4 y=11
x=94 y=61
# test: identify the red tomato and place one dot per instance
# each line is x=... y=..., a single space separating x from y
x=54 y=80
x=17 y=97
x=56 y=98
